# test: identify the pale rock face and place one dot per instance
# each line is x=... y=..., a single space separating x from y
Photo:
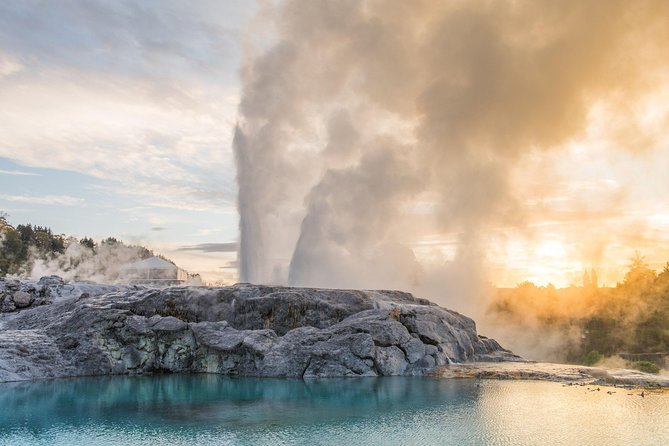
x=242 y=330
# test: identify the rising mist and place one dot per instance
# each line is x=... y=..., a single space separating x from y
x=368 y=130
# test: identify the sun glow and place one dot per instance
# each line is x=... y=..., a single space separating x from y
x=551 y=249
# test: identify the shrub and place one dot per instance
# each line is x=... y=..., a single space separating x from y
x=592 y=358
x=646 y=366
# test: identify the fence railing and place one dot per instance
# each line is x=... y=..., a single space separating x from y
x=661 y=358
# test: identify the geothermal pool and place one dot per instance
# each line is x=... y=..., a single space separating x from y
x=210 y=409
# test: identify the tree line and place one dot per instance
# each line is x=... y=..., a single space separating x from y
x=630 y=318
x=23 y=245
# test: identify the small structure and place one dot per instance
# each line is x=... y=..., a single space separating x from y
x=154 y=270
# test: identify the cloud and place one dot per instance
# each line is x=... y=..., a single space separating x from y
x=158 y=228
x=124 y=38
x=18 y=173
x=142 y=95
x=140 y=146
x=9 y=66
x=211 y=247
x=55 y=200
x=233 y=264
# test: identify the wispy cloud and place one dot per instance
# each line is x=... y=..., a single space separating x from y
x=155 y=117
x=211 y=247
x=18 y=173
x=233 y=264
x=9 y=66
x=57 y=200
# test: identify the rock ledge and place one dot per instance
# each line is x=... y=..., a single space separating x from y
x=53 y=329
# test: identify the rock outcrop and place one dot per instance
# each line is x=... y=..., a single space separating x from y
x=244 y=330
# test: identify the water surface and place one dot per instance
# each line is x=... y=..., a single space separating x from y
x=210 y=409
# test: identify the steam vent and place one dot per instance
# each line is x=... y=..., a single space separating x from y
x=52 y=329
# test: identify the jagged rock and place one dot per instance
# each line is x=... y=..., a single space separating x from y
x=55 y=281
x=244 y=330
x=47 y=290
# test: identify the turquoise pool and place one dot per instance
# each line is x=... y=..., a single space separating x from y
x=210 y=409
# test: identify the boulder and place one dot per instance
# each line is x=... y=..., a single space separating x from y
x=22 y=299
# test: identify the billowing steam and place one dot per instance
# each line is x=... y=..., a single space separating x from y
x=368 y=127
x=79 y=262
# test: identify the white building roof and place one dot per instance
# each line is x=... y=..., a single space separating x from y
x=151 y=263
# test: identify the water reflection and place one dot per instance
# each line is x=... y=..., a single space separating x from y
x=212 y=399
x=209 y=409
x=550 y=414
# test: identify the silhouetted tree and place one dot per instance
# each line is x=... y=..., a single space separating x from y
x=88 y=243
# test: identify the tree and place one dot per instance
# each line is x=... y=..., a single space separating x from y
x=11 y=252
x=58 y=244
x=639 y=277
x=111 y=241
x=652 y=333
x=3 y=219
x=42 y=241
x=20 y=247
x=88 y=243
x=602 y=334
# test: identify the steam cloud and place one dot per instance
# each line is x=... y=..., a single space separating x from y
x=368 y=125
x=79 y=262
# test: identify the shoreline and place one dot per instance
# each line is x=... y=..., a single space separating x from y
x=561 y=373
x=565 y=374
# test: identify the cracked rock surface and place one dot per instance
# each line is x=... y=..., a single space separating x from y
x=243 y=330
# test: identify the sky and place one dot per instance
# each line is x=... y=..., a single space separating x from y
x=117 y=120
x=520 y=138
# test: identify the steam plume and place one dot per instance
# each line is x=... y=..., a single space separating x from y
x=369 y=125
x=79 y=262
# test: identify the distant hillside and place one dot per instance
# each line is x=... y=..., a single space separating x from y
x=32 y=250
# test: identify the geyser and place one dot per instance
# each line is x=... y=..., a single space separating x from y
x=367 y=127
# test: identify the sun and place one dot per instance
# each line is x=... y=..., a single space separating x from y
x=551 y=249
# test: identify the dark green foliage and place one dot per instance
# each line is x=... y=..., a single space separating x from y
x=602 y=334
x=633 y=317
x=652 y=333
x=646 y=366
x=20 y=247
x=592 y=358
x=11 y=251
x=88 y=243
